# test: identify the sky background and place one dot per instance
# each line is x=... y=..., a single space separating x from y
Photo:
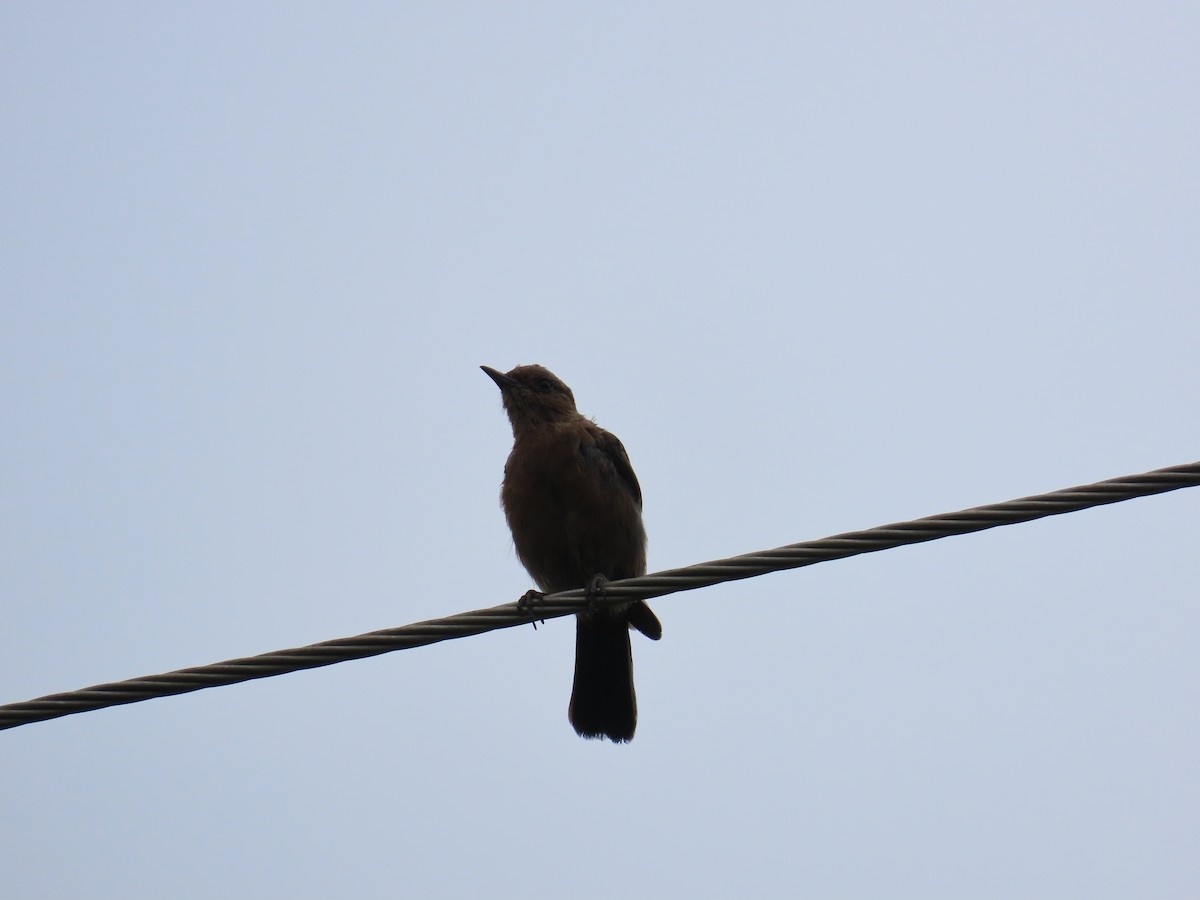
x=820 y=266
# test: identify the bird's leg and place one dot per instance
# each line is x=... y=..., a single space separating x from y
x=594 y=590
x=528 y=602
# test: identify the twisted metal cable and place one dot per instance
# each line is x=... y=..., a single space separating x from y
x=792 y=556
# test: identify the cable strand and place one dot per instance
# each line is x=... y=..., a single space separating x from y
x=658 y=584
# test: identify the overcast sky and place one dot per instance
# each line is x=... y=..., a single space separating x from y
x=820 y=266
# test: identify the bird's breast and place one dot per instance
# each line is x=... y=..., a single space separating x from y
x=571 y=519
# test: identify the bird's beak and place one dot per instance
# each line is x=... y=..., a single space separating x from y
x=502 y=381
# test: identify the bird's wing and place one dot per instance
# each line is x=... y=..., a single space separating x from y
x=610 y=448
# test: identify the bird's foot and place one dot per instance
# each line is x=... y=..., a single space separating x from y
x=528 y=603
x=594 y=590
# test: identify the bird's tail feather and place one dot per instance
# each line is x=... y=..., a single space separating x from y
x=603 y=703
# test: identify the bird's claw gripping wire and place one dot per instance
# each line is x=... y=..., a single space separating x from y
x=595 y=591
x=528 y=604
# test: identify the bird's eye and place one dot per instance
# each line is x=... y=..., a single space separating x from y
x=545 y=385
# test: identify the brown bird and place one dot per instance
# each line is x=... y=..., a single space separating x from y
x=575 y=510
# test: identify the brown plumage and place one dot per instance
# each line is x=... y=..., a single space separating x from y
x=574 y=507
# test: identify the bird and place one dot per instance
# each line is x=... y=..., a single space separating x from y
x=574 y=506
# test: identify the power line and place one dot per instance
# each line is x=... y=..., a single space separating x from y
x=792 y=556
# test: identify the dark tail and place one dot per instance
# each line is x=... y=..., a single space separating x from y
x=603 y=703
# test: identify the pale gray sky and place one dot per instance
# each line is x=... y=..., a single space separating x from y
x=821 y=267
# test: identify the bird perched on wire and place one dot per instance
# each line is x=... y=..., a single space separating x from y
x=575 y=510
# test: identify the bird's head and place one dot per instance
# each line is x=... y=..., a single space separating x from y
x=533 y=394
